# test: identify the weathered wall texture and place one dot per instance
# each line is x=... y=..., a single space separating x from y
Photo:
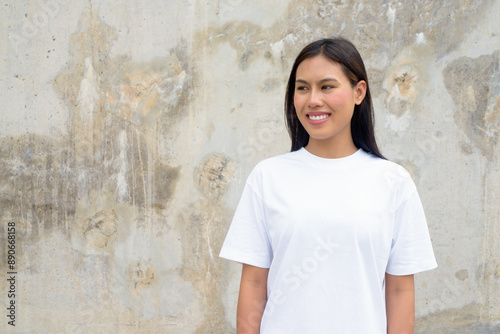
x=128 y=128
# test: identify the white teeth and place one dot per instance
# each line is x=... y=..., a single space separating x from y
x=317 y=118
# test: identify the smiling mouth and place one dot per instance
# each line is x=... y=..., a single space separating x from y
x=318 y=117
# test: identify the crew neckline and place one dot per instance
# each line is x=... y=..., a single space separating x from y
x=345 y=162
x=333 y=160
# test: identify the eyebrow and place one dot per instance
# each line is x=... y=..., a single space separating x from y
x=321 y=81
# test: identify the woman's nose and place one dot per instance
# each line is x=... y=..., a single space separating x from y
x=315 y=99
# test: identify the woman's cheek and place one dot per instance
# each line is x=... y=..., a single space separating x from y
x=297 y=102
x=339 y=99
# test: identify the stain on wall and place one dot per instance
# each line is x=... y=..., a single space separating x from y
x=121 y=208
x=473 y=85
x=202 y=239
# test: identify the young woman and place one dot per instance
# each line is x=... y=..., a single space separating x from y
x=331 y=233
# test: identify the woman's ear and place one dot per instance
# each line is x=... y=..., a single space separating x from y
x=359 y=92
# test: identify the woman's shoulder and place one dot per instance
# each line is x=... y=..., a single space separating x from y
x=389 y=172
x=392 y=174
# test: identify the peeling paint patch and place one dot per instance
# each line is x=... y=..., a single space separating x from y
x=142 y=275
x=214 y=175
x=462 y=274
x=101 y=228
x=401 y=86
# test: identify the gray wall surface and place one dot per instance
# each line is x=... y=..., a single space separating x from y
x=128 y=128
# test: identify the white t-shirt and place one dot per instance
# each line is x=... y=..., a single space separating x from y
x=329 y=230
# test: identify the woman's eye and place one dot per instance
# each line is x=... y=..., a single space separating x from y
x=301 y=88
x=327 y=87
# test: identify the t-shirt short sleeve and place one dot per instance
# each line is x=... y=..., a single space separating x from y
x=247 y=239
x=411 y=249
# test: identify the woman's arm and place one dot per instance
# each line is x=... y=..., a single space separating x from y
x=252 y=299
x=400 y=304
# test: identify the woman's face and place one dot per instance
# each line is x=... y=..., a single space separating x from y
x=324 y=99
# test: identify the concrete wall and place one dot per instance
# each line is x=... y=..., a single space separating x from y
x=128 y=128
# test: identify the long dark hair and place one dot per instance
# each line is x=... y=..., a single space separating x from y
x=343 y=52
